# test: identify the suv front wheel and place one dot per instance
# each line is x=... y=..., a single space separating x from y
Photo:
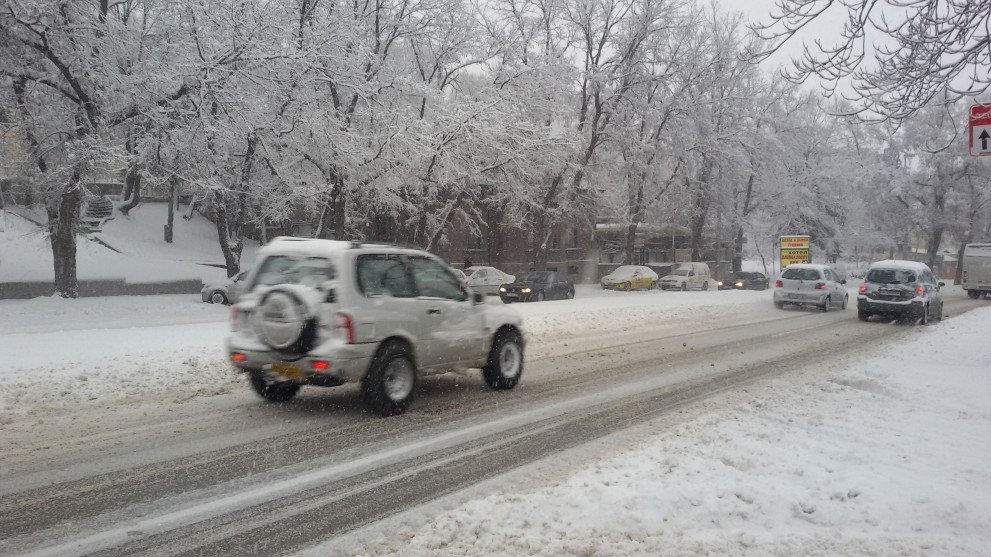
x=505 y=363
x=388 y=385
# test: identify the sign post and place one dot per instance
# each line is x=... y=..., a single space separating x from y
x=794 y=249
x=980 y=130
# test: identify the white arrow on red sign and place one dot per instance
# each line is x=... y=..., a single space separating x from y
x=980 y=130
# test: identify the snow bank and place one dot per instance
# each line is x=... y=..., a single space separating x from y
x=887 y=456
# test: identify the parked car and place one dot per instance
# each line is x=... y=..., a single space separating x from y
x=487 y=280
x=226 y=292
x=325 y=312
x=461 y=276
x=687 y=276
x=537 y=286
x=900 y=288
x=810 y=284
x=976 y=270
x=744 y=281
x=630 y=277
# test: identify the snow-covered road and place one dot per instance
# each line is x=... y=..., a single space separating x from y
x=858 y=456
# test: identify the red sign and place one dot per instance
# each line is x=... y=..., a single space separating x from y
x=980 y=130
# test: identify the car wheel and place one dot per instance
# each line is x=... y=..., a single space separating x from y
x=939 y=314
x=505 y=300
x=846 y=300
x=779 y=305
x=627 y=286
x=863 y=315
x=273 y=391
x=540 y=296
x=217 y=297
x=388 y=386
x=505 y=363
x=973 y=294
x=705 y=285
x=825 y=304
x=571 y=294
x=925 y=315
x=653 y=285
x=684 y=287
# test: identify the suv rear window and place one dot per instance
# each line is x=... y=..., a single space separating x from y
x=801 y=274
x=284 y=269
x=891 y=276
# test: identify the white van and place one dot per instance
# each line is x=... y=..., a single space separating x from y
x=976 y=276
x=687 y=276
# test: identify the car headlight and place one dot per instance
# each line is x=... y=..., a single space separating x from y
x=502 y=289
x=526 y=290
x=740 y=284
x=720 y=283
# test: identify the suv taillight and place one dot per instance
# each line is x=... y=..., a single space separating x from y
x=919 y=291
x=344 y=326
x=863 y=288
x=820 y=286
x=777 y=284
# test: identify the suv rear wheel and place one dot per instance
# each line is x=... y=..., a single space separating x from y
x=505 y=363
x=273 y=391
x=388 y=385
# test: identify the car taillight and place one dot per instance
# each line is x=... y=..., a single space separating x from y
x=820 y=286
x=320 y=365
x=238 y=357
x=344 y=326
x=863 y=288
x=918 y=291
x=777 y=284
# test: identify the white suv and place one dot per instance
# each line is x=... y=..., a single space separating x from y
x=324 y=312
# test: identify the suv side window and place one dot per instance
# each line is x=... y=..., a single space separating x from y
x=381 y=273
x=435 y=281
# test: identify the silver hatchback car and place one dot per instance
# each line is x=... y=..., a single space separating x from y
x=811 y=284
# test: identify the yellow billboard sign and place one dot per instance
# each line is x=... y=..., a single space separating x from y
x=794 y=249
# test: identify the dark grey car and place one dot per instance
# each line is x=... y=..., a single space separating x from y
x=901 y=289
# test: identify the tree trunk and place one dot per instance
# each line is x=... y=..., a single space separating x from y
x=63 y=221
x=132 y=184
x=173 y=200
x=700 y=211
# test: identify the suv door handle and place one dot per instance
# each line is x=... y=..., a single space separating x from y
x=433 y=311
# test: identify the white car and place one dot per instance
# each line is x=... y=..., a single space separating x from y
x=810 y=284
x=487 y=279
x=687 y=276
x=325 y=312
x=226 y=292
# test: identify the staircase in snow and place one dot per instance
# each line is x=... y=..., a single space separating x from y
x=97 y=212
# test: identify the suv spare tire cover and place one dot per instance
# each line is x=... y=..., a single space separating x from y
x=282 y=318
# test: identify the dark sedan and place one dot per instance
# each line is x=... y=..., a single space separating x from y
x=537 y=286
x=744 y=281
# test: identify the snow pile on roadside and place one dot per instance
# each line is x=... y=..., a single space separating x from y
x=887 y=456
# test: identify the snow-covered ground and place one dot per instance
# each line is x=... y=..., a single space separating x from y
x=884 y=454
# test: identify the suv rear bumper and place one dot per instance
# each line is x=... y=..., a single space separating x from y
x=344 y=365
x=915 y=306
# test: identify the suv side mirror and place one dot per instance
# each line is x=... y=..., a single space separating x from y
x=942 y=284
x=843 y=281
x=477 y=298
